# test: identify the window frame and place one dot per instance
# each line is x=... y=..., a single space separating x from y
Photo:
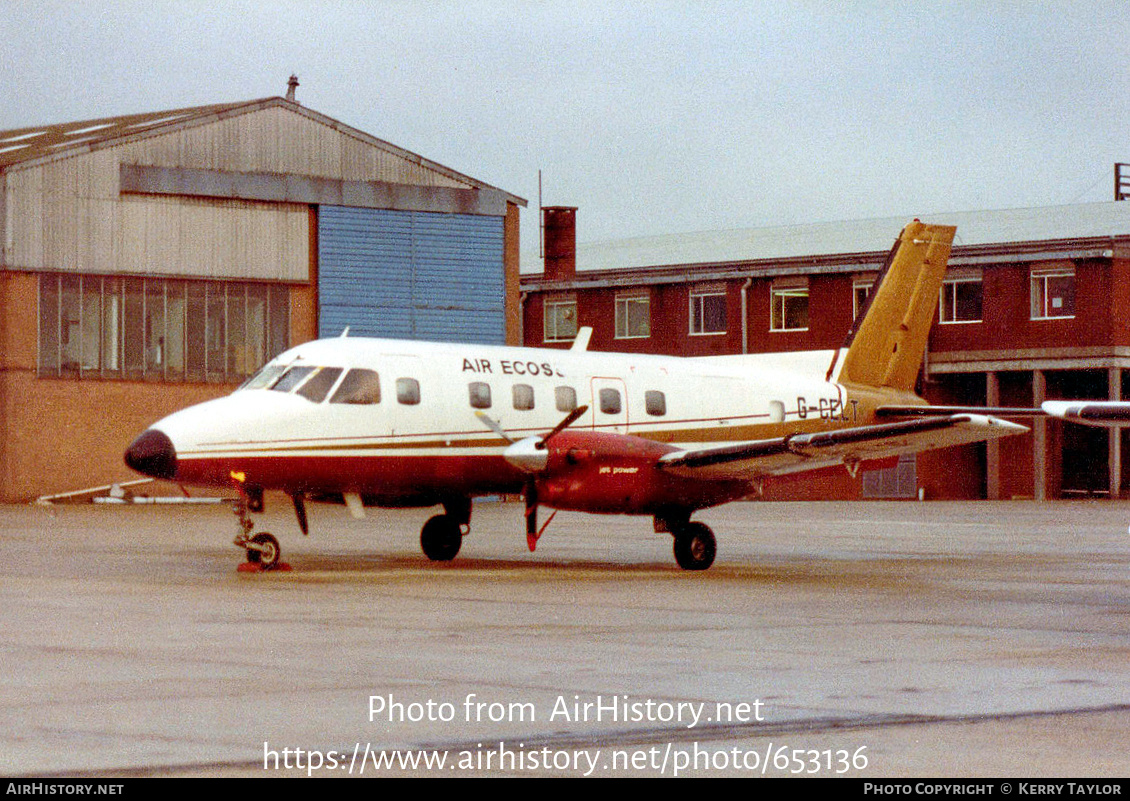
x=947 y=298
x=782 y=291
x=143 y=328
x=696 y=302
x=550 y=321
x=1042 y=275
x=623 y=322
x=863 y=283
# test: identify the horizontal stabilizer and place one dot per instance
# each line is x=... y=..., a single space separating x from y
x=800 y=452
x=1091 y=413
x=888 y=412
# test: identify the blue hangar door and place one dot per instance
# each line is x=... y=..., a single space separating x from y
x=410 y=275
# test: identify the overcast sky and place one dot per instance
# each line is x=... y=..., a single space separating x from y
x=651 y=117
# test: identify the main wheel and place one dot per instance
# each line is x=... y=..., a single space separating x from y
x=695 y=546
x=268 y=556
x=440 y=538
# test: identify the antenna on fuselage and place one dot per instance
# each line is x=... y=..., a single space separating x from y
x=345 y=332
x=581 y=342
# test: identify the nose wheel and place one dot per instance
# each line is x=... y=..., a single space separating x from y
x=263 y=550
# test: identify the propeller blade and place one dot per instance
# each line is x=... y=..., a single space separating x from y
x=493 y=425
x=531 y=514
x=568 y=421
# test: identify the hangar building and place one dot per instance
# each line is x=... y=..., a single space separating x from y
x=154 y=260
x=1033 y=308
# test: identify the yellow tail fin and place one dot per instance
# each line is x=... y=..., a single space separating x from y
x=888 y=342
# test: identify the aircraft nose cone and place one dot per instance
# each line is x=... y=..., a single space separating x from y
x=153 y=454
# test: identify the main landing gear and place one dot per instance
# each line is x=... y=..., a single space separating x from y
x=442 y=536
x=694 y=544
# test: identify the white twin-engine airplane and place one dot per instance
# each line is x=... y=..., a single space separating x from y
x=395 y=423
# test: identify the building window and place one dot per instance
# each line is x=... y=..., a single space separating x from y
x=633 y=316
x=789 y=307
x=1053 y=292
x=960 y=298
x=560 y=319
x=159 y=328
x=861 y=287
x=708 y=310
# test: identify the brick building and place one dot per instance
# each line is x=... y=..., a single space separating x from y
x=1034 y=307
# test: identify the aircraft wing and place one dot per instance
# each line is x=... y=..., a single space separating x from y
x=1087 y=412
x=800 y=452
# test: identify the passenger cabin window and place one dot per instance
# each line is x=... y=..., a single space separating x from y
x=523 y=396
x=566 y=398
x=655 y=403
x=360 y=387
x=292 y=378
x=610 y=401
x=318 y=385
x=479 y=392
x=407 y=391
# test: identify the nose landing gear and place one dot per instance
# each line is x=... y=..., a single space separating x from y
x=263 y=551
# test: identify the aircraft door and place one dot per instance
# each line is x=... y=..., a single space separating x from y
x=610 y=405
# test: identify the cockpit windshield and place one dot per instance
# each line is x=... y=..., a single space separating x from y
x=358 y=386
x=265 y=377
x=292 y=378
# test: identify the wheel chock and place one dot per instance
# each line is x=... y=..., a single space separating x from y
x=254 y=567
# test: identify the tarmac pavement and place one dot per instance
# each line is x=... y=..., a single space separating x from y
x=873 y=639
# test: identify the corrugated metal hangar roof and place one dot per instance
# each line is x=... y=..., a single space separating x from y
x=41 y=143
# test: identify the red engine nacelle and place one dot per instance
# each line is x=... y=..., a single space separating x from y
x=591 y=471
